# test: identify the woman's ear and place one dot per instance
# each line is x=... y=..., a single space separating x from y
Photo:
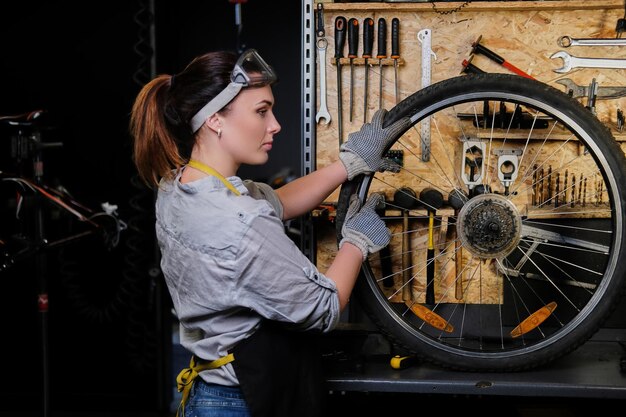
x=214 y=123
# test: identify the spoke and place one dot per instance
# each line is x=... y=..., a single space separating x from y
x=556 y=287
x=565 y=226
x=532 y=163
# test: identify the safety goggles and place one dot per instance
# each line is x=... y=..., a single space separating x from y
x=250 y=71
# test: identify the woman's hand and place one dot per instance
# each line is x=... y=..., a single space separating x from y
x=364 y=151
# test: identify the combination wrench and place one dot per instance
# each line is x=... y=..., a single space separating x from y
x=322 y=43
x=570 y=61
x=322 y=113
x=566 y=42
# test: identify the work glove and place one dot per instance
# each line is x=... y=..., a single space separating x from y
x=364 y=150
x=363 y=227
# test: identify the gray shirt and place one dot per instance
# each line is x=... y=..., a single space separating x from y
x=228 y=263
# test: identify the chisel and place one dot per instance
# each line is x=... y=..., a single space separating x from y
x=395 y=51
x=368 y=44
x=340 y=41
x=382 y=54
x=353 y=47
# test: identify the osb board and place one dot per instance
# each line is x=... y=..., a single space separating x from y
x=525 y=34
x=522 y=34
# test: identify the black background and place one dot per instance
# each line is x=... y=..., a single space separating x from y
x=83 y=64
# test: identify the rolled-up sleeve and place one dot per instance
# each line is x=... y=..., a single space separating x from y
x=279 y=282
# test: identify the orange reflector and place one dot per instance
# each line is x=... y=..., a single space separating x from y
x=431 y=318
x=534 y=320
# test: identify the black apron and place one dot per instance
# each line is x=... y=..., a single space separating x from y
x=280 y=372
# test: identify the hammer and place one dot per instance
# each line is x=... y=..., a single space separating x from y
x=406 y=198
x=477 y=48
x=385 y=253
x=432 y=199
x=457 y=198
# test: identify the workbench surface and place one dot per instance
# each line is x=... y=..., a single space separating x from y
x=591 y=371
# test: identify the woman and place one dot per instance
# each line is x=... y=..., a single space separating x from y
x=247 y=299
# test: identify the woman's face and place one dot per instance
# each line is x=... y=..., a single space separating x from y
x=250 y=125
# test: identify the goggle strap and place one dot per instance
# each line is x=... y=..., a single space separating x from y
x=215 y=105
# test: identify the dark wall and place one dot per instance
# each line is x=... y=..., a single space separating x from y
x=83 y=62
x=186 y=29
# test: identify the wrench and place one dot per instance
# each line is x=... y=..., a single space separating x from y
x=570 y=61
x=322 y=113
x=583 y=91
x=566 y=42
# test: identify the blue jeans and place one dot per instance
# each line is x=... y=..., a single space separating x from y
x=210 y=400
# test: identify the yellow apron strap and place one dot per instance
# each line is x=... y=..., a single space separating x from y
x=210 y=171
x=185 y=378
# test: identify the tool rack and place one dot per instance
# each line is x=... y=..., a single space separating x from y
x=526 y=32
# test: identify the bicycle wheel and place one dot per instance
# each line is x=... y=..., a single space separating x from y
x=517 y=264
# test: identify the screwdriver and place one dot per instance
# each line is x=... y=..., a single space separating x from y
x=395 y=51
x=382 y=53
x=368 y=43
x=353 y=47
x=340 y=41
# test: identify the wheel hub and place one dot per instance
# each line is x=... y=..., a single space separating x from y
x=489 y=226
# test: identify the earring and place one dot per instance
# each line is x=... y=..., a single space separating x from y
x=219 y=133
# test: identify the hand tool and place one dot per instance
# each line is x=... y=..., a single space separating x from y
x=382 y=54
x=353 y=47
x=570 y=62
x=557 y=190
x=593 y=94
x=322 y=43
x=566 y=42
x=340 y=41
x=456 y=199
x=402 y=362
x=565 y=179
x=406 y=199
x=580 y=190
x=368 y=44
x=576 y=91
x=477 y=48
x=386 y=266
x=432 y=200
x=424 y=37
x=534 y=186
x=620 y=26
x=572 y=198
x=469 y=68
x=395 y=51
x=549 y=185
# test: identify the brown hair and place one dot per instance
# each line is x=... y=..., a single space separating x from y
x=160 y=116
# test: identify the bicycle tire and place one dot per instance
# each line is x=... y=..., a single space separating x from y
x=570 y=278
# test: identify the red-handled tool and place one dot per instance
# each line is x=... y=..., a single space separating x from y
x=353 y=47
x=469 y=68
x=477 y=48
